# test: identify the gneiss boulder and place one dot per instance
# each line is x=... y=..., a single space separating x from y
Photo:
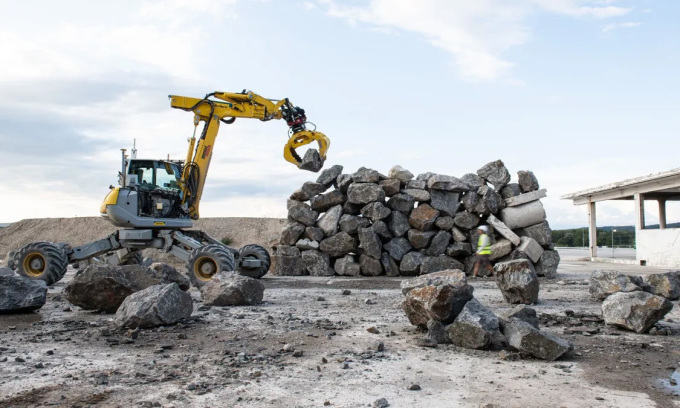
x=19 y=294
x=317 y=263
x=663 y=284
x=476 y=327
x=517 y=281
x=165 y=273
x=449 y=277
x=605 y=283
x=521 y=312
x=525 y=338
x=232 y=289
x=441 y=303
x=157 y=305
x=286 y=260
x=637 y=311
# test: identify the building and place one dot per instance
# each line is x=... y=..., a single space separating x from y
x=656 y=247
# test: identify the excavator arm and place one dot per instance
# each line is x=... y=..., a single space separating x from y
x=226 y=109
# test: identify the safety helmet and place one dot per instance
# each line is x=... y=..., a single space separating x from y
x=483 y=228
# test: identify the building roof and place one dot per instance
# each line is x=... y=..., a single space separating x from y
x=664 y=185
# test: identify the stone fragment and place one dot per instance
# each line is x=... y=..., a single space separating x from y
x=530 y=247
x=311 y=161
x=436 y=332
x=473 y=181
x=417 y=194
x=301 y=213
x=420 y=239
x=459 y=249
x=351 y=209
x=421 y=184
x=458 y=235
x=19 y=294
x=493 y=201
x=636 y=311
x=448 y=277
x=313 y=234
x=439 y=263
x=232 y=289
x=423 y=217
x=7 y=271
x=500 y=249
x=286 y=261
x=469 y=264
x=400 y=173
x=338 y=245
x=157 y=305
x=317 y=263
x=525 y=198
x=441 y=303
x=495 y=173
x=164 y=273
x=305 y=244
x=397 y=248
x=291 y=232
x=465 y=220
x=605 y=283
x=443 y=222
x=375 y=211
x=503 y=229
x=401 y=202
x=343 y=182
x=547 y=264
x=439 y=243
x=366 y=175
x=475 y=327
x=328 y=222
x=328 y=176
x=398 y=224
x=389 y=265
x=445 y=201
x=471 y=202
x=364 y=193
x=410 y=264
x=525 y=338
x=527 y=181
x=307 y=191
x=323 y=202
x=446 y=183
x=347 y=266
x=541 y=233
x=511 y=190
x=517 y=281
x=390 y=186
x=370 y=242
x=663 y=284
x=370 y=266
x=349 y=223
x=425 y=176
x=521 y=312
x=383 y=231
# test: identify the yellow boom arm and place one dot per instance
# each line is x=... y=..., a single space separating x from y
x=229 y=107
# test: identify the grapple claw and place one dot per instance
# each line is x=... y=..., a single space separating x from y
x=312 y=161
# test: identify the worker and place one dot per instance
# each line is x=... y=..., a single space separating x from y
x=483 y=251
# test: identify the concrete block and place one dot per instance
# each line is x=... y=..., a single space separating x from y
x=524 y=215
x=531 y=248
x=500 y=227
x=525 y=198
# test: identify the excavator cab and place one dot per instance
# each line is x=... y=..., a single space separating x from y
x=152 y=174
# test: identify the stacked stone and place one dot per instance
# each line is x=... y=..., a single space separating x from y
x=371 y=224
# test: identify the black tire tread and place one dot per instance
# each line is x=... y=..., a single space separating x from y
x=219 y=253
x=256 y=251
x=55 y=256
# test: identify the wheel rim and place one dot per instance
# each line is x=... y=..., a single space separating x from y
x=205 y=268
x=34 y=264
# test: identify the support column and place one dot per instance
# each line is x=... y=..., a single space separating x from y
x=639 y=212
x=662 y=213
x=592 y=230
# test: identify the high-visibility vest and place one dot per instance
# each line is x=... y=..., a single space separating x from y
x=484 y=245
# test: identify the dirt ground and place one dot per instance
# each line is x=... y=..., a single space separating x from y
x=308 y=345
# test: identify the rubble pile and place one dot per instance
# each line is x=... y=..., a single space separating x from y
x=366 y=223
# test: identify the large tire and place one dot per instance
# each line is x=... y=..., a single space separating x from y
x=254 y=252
x=42 y=260
x=208 y=261
x=133 y=258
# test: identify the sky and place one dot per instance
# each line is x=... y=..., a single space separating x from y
x=581 y=92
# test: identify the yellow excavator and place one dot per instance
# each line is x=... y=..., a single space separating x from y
x=157 y=201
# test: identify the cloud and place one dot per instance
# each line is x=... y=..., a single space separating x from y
x=611 y=27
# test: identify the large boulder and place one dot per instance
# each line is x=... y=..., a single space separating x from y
x=410 y=263
x=637 y=311
x=475 y=327
x=521 y=312
x=291 y=232
x=523 y=337
x=436 y=332
x=389 y=265
x=157 y=305
x=397 y=248
x=495 y=173
x=329 y=221
x=302 y=213
x=511 y=190
x=338 y=245
x=307 y=191
x=418 y=194
x=398 y=172
x=19 y=294
x=366 y=175
x=439 y=263
x=501 y=248
x=446 y=183
x=439 y=243
x=375 y=211
x=390 y=186
x=443 y=222
x=370 y=266
x=465 y=220
x=448 y=277
x=423 y=217
x=473 y=181
x=286 y=261
x=604 y=283
x=401 y=202
x=232 y=289
x=540 y=232
x=343 y=181
x=459 y=249
x=370 y=242
x=324 y=202
x=527 y=181
x=317 y=263
x=364 y=193
x=329 y=176
x=441 y=303
x=663 y=284
x=347 y=266
x=420 y=239
x=398 y=224
x=165 y=273
x=517 y=281
x=547 y=264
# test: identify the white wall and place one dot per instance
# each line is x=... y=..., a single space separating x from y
x=659 y=247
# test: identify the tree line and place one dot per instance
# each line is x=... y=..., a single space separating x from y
x=578 y=237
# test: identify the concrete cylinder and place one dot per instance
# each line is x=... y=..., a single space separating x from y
x=524 y=215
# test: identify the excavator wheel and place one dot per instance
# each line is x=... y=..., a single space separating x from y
x=42 y=260
x=254 y=252
x=133 y=258
x=208 y=261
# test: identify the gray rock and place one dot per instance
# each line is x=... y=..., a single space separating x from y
x=375 y=211
x=370 y=242
x=500 y=249
x=158 y=305
x=328 y=176
x=400 y=173
x=637 y=311
x=439 y=243
x=511 y=190
x=366 y=175
x=398 y=224
x=436 y=332
x=443 y=303
x=313 y=234
x=492 y=201
x=459 y=249
x=349 y=223
x=417 y=194
x=364 y=193
x=530 y=247
x=517 y=281
x=423 y=217
x=343 y=182
x=420 y=239
x=286 y=261
x=308 y=190
x=475 y=327
x=232 y=289
x=445 y=201
x=401 y=202
x=473 y=181
x=6 y=272
x=458 y=235
x=469 y=264
x=525 y=338
x=390 y=186
x=347 y=266
x=383 y=231
x=317 y=263
x=312 y=161
x=448 y=277
x=369 y=265
x=663 y=284
x=351 y=209
x=331 y=199
x=604 y=283
x=165 y=273
x=425 y=176
x=421 y=184
x=410 y=264
x=389 y=265
x=380 y=403
x=301 y=213
x=439 y=263
x=521 y=312
x=495 y=173
x=19 y=294
x=465 y=220
x=527 y=181
x=397 y=248
x=305 y=244
x=541 y=233
x=443 y=222
x=470 y=201
x=338 y=245
x=547 y=264
x=446 y=183
x=291 y=232
x=328 y=222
